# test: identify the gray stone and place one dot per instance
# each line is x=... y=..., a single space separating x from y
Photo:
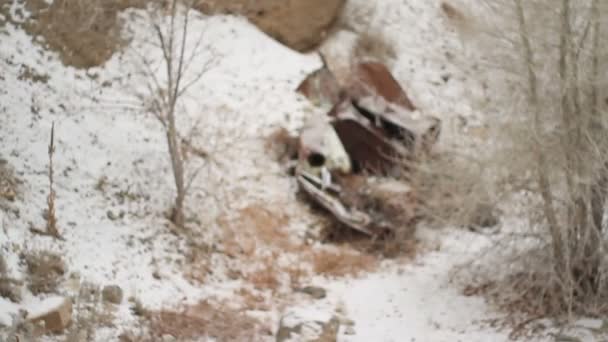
x=55 y=318
x=112 y=294
x=313 y=291
x=308 y=325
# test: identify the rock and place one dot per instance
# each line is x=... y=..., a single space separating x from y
x=483 y=216
x=110 y=214
x=308 y=324
x=313 y=291
x=127 y=337
x=349 y=330
x=299 y=24
x=55 y=317
x=10 y=289
x=112 y=294
x=168 y=338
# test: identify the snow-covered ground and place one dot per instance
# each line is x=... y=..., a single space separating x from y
x=113 y=177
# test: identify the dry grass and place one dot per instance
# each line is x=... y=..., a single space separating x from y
x=90 y=314
x=544 y=60
x=252 y=226
x=267 y=277
x=206 y=319
x=44 y=270
x=252 y=300
x=343 y=262
x=453 y=190
x=9 y=183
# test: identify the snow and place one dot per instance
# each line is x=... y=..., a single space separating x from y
x=101 y=136
x=417 y=302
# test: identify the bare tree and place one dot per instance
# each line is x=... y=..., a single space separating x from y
x=544 y=58
x=165 y=91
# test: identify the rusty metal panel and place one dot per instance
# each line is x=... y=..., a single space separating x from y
x=374 y=79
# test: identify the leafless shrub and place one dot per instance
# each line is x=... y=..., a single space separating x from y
x=9 y=288
x=20 y=329
x=545 y=57
x=9 y=183
x=451 y=189
x=165 y=93
x=44 y=270
x=374 y=44
x=90 y=313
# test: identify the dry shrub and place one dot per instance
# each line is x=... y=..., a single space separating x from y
x=85 y=33
x=544 y=58
x=453 y=190
x=9 y=183
x=375 y=45
x=255 y=225
x=341 y=263
x=206 y=319
x=90 y=314
x=297 y=274
x=44 y=269
x=253 y=301
x=266 y=278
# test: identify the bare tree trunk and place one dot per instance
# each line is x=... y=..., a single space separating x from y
x=177 y=164
x=541 y=169
x=598 y=188
x=175 y=71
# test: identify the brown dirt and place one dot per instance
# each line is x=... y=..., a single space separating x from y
x=299 y=24
x=85 y=33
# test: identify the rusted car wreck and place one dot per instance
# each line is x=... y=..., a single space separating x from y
x=347 y=161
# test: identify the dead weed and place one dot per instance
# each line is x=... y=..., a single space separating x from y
x=9 y=183
x=342 y=262
x=44 y=270
x=267 y=277
x=252 y=300
x=253 y=226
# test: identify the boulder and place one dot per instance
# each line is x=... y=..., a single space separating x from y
x=112 y=294
x=51 y=315
x=299 y=24
x=307 y=324
x=313 y=291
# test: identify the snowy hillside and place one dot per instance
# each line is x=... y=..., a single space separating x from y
x=249 y=244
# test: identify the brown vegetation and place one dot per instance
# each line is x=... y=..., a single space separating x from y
x=44 y=270
x=343 y=262
x=215 y=320
x=547 y=56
